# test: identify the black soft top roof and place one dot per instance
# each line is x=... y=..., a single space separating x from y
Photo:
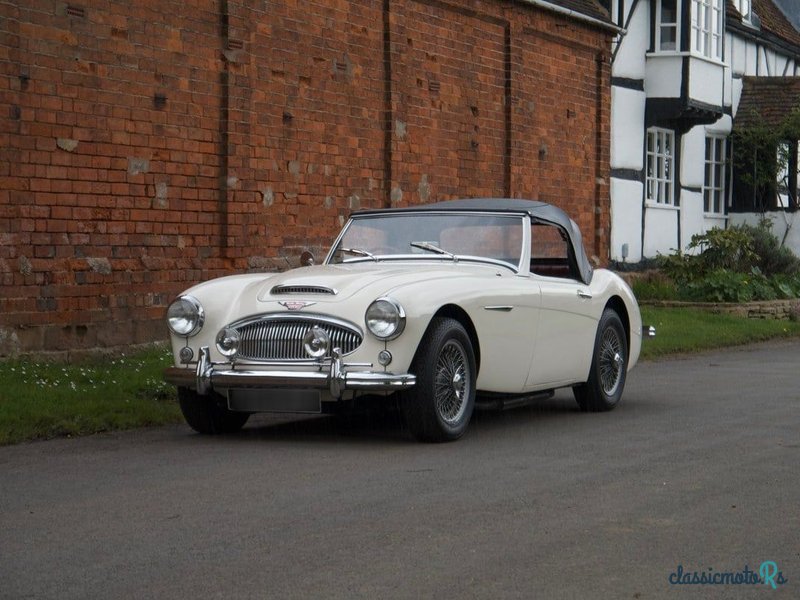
x=537 y=211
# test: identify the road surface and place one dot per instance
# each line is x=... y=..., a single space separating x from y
x=698 y=467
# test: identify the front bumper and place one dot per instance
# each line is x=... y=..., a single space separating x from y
x=332 y=375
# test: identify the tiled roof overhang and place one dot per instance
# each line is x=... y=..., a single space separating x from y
x=767 y=101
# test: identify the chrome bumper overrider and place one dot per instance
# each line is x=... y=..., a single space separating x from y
x=332 y=376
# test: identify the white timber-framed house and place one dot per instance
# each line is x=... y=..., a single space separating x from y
x=679 y=71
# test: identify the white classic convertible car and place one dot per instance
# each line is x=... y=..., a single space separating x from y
x=438 y=304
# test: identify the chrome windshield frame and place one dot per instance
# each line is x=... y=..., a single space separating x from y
x=517 y=269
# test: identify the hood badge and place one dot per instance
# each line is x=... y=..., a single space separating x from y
x=295 y=304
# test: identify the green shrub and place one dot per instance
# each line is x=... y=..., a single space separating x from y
x=719 y=249
x=773 y=258
x=786 y=286
x=739 y=264
x=723 y=285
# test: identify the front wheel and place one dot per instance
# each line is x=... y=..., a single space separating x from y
x=603 y=390
x=438 y=408
x=208 y=414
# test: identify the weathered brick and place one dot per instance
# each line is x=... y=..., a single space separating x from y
x=306 y=111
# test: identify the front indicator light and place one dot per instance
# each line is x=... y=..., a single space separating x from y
x=186 y=355
x=384 y=358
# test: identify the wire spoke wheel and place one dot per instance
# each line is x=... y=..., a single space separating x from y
x=611 y=361
x=603 y=389
x=451 y=382
x=439 y=407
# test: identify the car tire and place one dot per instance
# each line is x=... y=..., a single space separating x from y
x=439 y=406
x=603 y=390
x=208 y=414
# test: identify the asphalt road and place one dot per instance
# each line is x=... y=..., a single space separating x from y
x=698 y=467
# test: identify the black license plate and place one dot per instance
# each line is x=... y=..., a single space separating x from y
x=275 y=400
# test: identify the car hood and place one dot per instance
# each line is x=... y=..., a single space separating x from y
x=336 y=283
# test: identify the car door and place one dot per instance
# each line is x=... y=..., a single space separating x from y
x=565 y=337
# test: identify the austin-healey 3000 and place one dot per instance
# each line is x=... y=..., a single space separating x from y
x=435 y=304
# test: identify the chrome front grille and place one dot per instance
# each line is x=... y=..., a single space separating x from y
x=280 y=337
x=301 y=289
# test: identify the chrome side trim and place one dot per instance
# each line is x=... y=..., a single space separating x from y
x=499 y=308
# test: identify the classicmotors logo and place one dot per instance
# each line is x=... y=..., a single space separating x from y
x=767 y=574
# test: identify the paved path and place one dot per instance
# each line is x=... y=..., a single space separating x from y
x=699 y=467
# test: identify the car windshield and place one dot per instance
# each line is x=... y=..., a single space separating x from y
x=441 y=236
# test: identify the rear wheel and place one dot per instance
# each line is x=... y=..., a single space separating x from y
x=603 y=390
x=438 y=408
x=208 y=414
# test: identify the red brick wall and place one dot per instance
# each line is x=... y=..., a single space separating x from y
x=145 y=146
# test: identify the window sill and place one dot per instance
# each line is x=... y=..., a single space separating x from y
x=715 y=216
x=677 y=53
x=649 y=204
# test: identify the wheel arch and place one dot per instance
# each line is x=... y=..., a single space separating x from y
x=617 y=304
x=453 y=311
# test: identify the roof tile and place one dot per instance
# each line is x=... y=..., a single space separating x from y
x=767 y=100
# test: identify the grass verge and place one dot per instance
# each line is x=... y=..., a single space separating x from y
x=681 y=330
x=40 y=400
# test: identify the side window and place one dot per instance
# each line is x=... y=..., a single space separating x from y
x=551 y=253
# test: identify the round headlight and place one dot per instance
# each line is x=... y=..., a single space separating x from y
x=385 y=319
x=185 y=316
x=316 y=342
x=228 y=341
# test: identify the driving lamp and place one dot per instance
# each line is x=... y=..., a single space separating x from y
x=316 y=342
x=228 y=342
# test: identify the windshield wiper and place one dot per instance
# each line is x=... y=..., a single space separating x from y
x=359 y=252
x=433 y=248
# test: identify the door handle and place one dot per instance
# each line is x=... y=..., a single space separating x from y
x=584 y=294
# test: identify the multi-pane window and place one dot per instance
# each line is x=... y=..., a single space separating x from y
x=707 y=18
x=660 y=184
x=714 y=184
x=667 y=27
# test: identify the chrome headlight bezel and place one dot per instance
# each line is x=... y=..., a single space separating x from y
x=186 y=308
x=385 y=318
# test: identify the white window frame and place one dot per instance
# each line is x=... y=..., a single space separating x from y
x=659 y=186
x=782 y=179
x=714 y=179
x=707 y=25
x=745 y=8
x=676 y=26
